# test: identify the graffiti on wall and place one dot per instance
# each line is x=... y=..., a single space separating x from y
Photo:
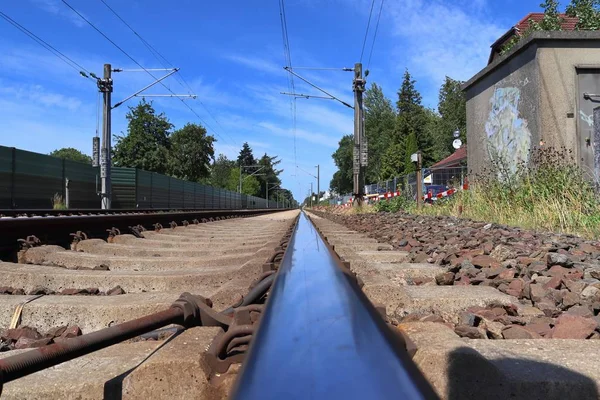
x=508 y=137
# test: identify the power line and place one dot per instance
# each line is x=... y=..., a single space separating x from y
x=139 y=65
x=163 y=60
x=67 y=60
x=375 y=35
x=367 y=31
x=288 y=60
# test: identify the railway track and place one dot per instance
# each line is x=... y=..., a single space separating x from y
x=55 y=294
x=519 y=364
x=61 y=227
x=283 y=306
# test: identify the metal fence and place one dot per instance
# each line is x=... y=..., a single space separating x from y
x=435 y=180
x=31 y=180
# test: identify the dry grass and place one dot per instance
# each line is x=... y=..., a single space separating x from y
x=58 y=202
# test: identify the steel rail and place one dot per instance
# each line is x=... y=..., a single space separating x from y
x=321 y=338
x=58 y=229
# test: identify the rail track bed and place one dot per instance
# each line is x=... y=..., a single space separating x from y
x=541 y=351
x=54 y=294
x=290 y=305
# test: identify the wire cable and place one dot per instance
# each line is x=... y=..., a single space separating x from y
x=165 y=63
x=67 y=60
x=367 y=31
x=142 y=67
x=288 y=60
x=375 y=35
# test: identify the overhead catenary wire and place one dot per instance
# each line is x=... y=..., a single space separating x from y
x=367 y=31
x=375 y=34
x=67 y=60
x=288 y=61
x=140 y=65
x=165 y=63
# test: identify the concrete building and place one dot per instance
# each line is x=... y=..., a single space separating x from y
x=541 y=93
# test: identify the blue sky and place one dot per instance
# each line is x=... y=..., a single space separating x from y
x=231 y=54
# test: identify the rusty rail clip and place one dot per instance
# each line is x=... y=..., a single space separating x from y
x=30 y=241
x=220 y=355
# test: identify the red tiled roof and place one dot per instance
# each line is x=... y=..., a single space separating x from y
x=568 y=23
x=453 y=159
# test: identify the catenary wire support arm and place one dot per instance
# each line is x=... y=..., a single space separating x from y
x=288 y=69
x=306 y=96
x=346 y=69
x=192 y=96
x=146 y=87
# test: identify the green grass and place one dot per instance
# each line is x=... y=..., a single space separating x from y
x=552 y=196
x=57 y=202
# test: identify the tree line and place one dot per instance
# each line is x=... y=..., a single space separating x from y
x=151 y=144
x=394 y=133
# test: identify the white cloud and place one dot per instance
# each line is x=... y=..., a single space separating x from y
x=312 y=137
x=259 y=64
x=443 y=38
x=56 y=8
x=39 y=95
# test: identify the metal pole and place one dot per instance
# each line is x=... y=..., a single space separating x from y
x=67 y=192
x=267 y=194
x=240 y=179
x=318 y=184
x=357 y=167
x=106 y=86
x=419 y=181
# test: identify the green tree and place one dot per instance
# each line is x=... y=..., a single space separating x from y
x=72 y=154
x=268 y=175
x=246 y=158
x=380 y=120
x=250 y=184
x=588 y=13
x=452 y=108
x=552 y=20
x=412 y=119
x=191 y=153
x=342 y=181
x=221 y=171
x=146 y=144
x=410 y=148
x=393 y=161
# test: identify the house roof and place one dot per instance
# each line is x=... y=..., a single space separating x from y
x=453 y=159
x=568 y=24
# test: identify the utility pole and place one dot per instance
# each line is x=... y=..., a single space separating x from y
x=311 y=194
x=359 y=161
x=417 y=158
x=318 y=184
x=105 y=86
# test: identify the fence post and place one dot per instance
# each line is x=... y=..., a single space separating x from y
x=12 y=178
x=63 y=188
x=67 y=192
